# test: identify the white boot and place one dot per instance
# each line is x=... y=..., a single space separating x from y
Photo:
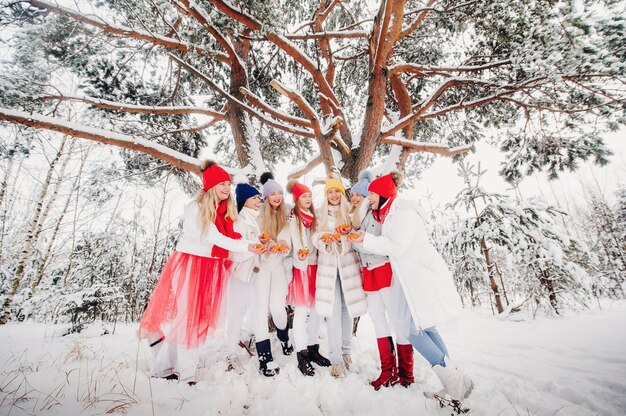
x=455 y=382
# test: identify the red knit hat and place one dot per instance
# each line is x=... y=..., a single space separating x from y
x=298 y=190
x=384 y=186
x=213 y=175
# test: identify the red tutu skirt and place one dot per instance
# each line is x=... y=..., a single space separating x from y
x=301 y=291
x=185 y=304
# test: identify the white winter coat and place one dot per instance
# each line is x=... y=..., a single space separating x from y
x=244 y=263
x=300 y=241
x=340 y=257
x=193 y=242
x=422 y=272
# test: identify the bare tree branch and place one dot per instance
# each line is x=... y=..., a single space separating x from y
x=257 y=101
x=418 y=20
x=306 y=168
x=132 y=108
x=422 y=69
x=246 y=107
x=159 y=151
x=128 y=32
x=439 y=149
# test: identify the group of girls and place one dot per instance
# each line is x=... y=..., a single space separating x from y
x=369 y=254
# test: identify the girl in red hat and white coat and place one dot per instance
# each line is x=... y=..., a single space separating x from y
x=426 y=295
x=301 y=294
x=185 y=305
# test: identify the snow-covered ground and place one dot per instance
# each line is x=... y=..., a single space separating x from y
x=570 y=366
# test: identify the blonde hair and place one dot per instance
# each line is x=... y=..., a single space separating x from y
x=296 y=214
x=208 y=201
x=274 y=220
x=355 y=214
x=342 y=213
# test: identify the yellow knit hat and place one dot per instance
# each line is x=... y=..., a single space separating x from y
x=334 y=181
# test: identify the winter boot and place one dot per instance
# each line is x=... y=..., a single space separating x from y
x=347 y=360
x=405 y=364
x=316 y=357
x=304 y=363
x=336 y=370
x=388 y=370
x=283 y=336
x=266 y=367
x=455 y=382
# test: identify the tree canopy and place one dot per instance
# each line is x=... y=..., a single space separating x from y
x=343 y=83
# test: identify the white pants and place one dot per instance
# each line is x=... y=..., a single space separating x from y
x=339 y=327
x=270 y=287
x=389 y=311
x=305 y=333
x=239 y=300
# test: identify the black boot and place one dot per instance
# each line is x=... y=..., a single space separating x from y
x=304 y=364
x=264 y=350
x=316 y=357
x=283 y=336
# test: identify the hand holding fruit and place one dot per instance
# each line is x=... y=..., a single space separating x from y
x=256 y=248
x=264 y=238
x=280 y=247
x=343 y=229
x=356 y=236
x=302 y=253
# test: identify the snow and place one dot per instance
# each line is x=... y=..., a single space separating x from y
x=573 y=365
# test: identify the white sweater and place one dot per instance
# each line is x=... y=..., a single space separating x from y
x=193 y=242
x=244 y=263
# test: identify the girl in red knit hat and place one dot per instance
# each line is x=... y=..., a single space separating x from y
x=301 y=294
x=422 y=292
x=185 y=305
x=339 y=294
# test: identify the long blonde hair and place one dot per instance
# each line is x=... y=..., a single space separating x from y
x=342 y=213
x=274 y=220
x=208 y=202
x=355 y=214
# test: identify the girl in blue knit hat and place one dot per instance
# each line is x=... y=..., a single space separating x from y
x=240 y=291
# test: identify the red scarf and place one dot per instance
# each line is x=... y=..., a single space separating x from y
x=306 y=219
x=225 y=226
x=381 y=214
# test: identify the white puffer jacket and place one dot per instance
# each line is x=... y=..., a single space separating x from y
x=423 y=274
x=192 y=241
x=333 y=258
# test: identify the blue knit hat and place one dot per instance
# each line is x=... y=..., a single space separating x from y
x=365 y=177
x=243 y=192
x=269 y=184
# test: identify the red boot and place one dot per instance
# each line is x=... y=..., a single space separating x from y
x=405 y=364
x=388 y=369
